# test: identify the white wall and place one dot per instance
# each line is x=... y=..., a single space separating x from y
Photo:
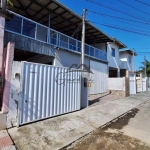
x=124 y=57
x=116 y=84
x=14 y=95
x=113 y=61
x=99 y=77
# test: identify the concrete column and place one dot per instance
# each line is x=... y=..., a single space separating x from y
x=2 y=25
x=118 y=73
x=8 y=72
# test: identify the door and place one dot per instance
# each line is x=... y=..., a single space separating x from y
x=132 y=83
x=99 y=77
x=47 y=91
x=144 y=85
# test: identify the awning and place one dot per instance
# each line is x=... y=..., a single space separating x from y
x=62 y=19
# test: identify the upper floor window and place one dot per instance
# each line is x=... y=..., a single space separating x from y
x=113 y=52
x=129 y=59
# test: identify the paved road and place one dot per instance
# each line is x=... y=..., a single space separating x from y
x=139 y=126
x=129 y=133
x=57 y=132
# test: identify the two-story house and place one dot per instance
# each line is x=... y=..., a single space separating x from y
x=127 y=60
x=49 y=33
x=113 y=57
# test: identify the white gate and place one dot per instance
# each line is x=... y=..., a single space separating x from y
x=148 y=82
x=144 y=85
x=47 y=91
x=132 y=83
x=99 y=77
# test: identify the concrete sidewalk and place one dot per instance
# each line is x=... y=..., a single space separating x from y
x=58 y=132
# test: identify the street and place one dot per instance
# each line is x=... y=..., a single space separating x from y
x=128 y=133
x=59 y=132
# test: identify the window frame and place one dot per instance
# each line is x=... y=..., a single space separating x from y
x=113 y=52
x=129 y=59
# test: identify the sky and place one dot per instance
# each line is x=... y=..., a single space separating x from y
x=135 y=18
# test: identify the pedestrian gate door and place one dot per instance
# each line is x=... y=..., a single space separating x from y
x=132 y=83
x=47 y=91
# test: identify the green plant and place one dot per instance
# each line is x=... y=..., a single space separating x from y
x=9 y=3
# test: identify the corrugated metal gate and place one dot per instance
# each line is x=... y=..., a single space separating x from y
x=132 y=83
x=47 y=91
x=99 y=77
x=144 y=80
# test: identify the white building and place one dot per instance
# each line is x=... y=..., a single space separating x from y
x=113 y=57
x=127 y=59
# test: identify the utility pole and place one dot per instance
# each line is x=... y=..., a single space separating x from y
x=145 y=64
x=83 y=38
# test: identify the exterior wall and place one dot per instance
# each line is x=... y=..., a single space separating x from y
x=124 y=57
x=116 y=84
x=113 y=61
x=27 y=44
x=14 y=95
x=66 y=59
x=99 y=78
x=101 y=46
x=119 y=86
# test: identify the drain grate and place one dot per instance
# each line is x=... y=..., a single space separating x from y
x=5 y=141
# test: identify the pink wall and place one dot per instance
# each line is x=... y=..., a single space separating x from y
x=8 y=71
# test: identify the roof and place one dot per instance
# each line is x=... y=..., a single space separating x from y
x=129 y=51
x=62 y=18
x=120 y=44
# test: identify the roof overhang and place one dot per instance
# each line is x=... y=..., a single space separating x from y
x=62 y=19
x=120 y=44
x=129 y=51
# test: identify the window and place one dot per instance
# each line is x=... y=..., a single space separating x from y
x=129 y=59
x=113 y=52
x=28 y=28
x=14 y=24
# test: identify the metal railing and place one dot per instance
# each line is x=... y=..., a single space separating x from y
x=31 y=29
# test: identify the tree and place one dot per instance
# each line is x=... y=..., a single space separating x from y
x=142 y=68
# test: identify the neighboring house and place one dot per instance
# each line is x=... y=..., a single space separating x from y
x=43 y=33
x=113 y=57
x=127 y=60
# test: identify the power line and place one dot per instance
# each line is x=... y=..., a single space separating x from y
x=108 y=7
x=101 y=14
x=123 y=29
x=143 y=3
x=133 y=7
x=142 y=48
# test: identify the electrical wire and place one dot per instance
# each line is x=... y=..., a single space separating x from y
x=120 y=28
x=142 y=3
x=101 y=14
x=133 y=7
x=111 y=8
x=79 y=27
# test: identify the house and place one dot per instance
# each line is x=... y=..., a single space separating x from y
x=113 y=57
x=127 y=60
x=47 y=37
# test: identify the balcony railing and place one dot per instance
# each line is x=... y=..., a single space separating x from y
x=26 y=27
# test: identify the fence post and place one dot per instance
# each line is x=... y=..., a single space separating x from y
x=127 y=88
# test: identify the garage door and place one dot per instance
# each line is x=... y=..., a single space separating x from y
x=99 y=77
